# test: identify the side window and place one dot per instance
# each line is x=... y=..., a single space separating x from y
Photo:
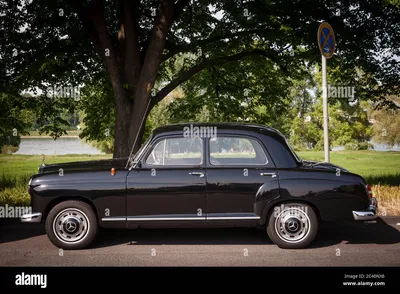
x=236 y=151
x=176 y=151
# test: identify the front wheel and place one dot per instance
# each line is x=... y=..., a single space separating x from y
x=71 y=225
x=292 y=225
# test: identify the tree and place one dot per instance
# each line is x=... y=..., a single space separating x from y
x=12 y=120
x=135 y=44
x=386 y=127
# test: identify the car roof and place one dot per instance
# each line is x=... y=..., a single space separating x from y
x=219 y=126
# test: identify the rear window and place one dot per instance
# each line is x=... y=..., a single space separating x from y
x=234 y=150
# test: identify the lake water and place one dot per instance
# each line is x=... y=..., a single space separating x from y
x=377 y=147
x=61 y=146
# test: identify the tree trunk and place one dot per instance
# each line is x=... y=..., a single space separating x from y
x=132 y=79
x=130 y=124
x=123 y=119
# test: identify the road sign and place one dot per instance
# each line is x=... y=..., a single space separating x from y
x=326 y=44
x=326 y=40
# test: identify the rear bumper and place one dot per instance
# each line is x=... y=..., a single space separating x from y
x=368 y=214
x=32 y=218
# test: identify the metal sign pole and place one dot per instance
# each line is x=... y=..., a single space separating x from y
x=326 y=44
x=325 y=107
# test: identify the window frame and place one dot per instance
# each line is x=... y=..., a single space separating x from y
x=162 y=138
x=269 y=162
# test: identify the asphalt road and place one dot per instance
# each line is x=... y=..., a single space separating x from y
x=350 y=244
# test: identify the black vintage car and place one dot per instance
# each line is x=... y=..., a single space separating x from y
x=194 y=175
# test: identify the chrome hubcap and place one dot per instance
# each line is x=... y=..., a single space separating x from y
x=292 y=224
x=71 y=225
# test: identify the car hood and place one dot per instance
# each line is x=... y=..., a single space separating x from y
x=95 y=165
x=322 y=165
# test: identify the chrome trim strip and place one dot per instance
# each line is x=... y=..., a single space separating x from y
x=179 y=218
x=164 y=218
x=232 y=217
x=113 y=219
x=32 y=218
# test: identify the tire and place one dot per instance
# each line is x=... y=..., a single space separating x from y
x=292 y=225
x=71 y=225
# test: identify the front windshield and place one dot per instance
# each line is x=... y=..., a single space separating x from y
x=135 y=158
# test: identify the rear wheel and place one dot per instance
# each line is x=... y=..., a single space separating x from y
x=71 y=225
x=292 y=225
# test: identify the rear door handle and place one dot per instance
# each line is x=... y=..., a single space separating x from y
x=273 y=175
x=197 y=174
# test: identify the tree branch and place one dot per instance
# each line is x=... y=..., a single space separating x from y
x=97 y=18
x=272 y=55
x=153 y=53
x=178 y=8
x=199 y=43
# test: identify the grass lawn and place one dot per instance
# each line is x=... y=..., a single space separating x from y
x=28 y=164
x=365 y=163
x=380 y=169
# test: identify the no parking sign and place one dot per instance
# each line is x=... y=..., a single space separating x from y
x=326 y=40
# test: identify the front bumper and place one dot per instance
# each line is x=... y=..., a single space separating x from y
x=32 y=218
x=368 y=214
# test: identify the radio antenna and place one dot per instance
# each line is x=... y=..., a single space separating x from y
x=137 y=135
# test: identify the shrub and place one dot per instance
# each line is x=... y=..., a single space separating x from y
x=105 y=146
x=358 y=146
x=351 y=146
x=9 y=143
x=7 y=149
x=17 y=196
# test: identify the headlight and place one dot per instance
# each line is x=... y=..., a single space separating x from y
x=30 y=181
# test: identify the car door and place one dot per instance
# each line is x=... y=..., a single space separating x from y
x=238 y=169
x=169 y=184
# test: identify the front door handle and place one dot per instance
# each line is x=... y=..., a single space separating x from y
x=273 y=175
x=197 y=174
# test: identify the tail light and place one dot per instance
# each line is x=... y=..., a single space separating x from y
x=369 y=191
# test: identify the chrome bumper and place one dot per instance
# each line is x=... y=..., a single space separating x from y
x=32 y=218
x=368 y=214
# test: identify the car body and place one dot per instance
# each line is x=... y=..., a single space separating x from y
x=196 y=175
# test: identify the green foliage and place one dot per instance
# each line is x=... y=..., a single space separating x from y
x=13 y=122
x=392 y=2
x=247 y=62
x=158 y=116
x=255 y=91
x=348 y=116
x=386 y=128
x=354 y=145
x=106 y=145
x=97 y=115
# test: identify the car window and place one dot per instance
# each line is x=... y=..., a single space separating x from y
x=236 y=151
x=176 y=151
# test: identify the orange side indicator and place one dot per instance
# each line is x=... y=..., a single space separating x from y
x=113 y=171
